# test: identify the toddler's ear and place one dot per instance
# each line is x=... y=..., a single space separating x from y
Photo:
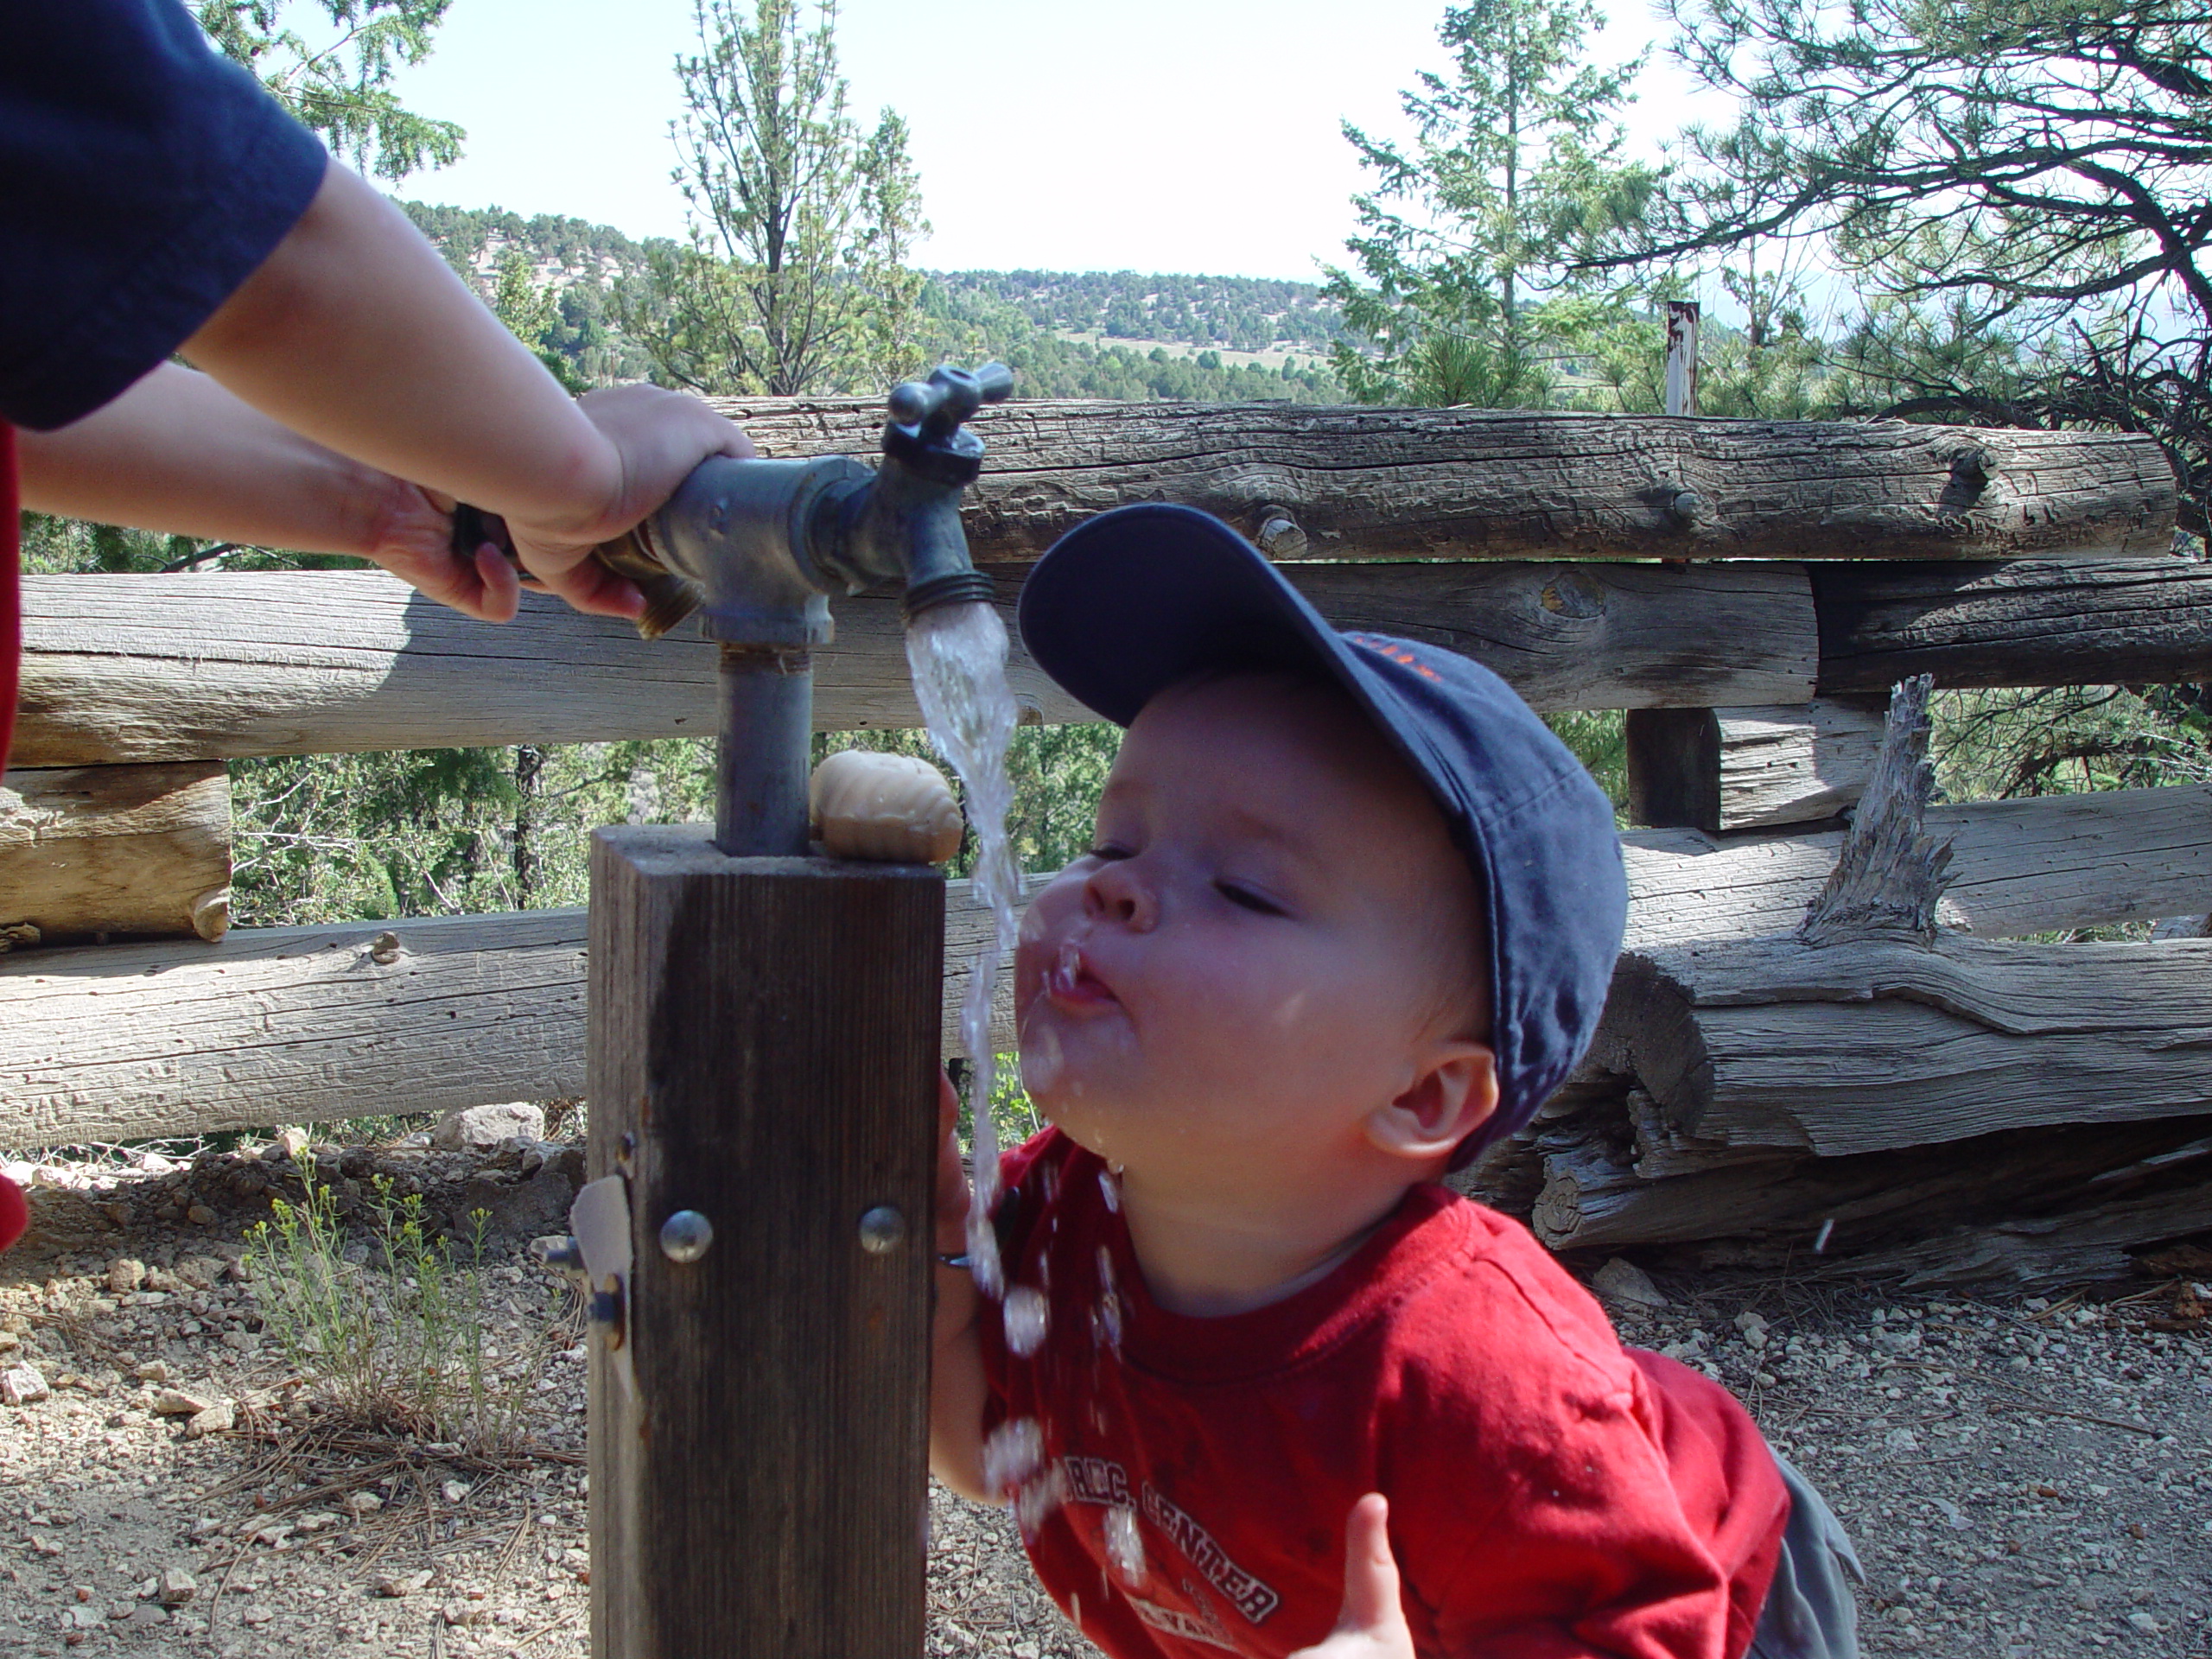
x=1454 y=1093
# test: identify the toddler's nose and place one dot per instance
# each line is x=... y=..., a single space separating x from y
x=1117 y=892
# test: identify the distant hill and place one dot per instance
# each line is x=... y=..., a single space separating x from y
x=1065 y=333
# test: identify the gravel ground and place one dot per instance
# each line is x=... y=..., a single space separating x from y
x=2021 y=1478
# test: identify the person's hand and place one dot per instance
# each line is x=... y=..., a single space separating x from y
x=412 y=537
x=656 y=436
x=1372 y=1625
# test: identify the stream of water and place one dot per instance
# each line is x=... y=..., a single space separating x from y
x=957 y=656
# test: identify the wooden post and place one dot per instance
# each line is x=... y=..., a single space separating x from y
x=1681 y=357
x=1756 y=768
x=763 y=1051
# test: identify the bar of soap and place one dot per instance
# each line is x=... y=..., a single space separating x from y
x=888 y=808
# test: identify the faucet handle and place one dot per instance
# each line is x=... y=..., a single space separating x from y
x=935 y=407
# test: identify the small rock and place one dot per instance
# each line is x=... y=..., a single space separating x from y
x=153 y=1370
x=1622 y=1283
x=363 y=1503
x=149 y=1615
x=217 y=1419
x=318 y=1520
x=2145 y=1624
x=177 y=1587
x=486 y=1126
x=400 y=1584
x=205 y=1526
x=289 y=1142
x=1902 y=1440
x=254 y=1614
x=22 y=1385
x=455 y=1490
x=85 y=1617
x=175 y=1402
x=125 y=1274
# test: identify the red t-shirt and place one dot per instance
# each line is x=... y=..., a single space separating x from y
x=1551 y=1493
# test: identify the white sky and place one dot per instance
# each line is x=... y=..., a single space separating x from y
x=1194 y=136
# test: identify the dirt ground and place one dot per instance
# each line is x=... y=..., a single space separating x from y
x=2021 y=1478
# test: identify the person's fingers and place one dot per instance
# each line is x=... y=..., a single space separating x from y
x=586 y=584
x=1371 y=1606
x=500 y=593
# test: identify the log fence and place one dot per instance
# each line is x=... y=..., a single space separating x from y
x=1750 y=592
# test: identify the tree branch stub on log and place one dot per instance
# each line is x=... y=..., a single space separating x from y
x=1413 y=483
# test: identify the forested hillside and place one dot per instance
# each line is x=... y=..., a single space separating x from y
x=1150 y=336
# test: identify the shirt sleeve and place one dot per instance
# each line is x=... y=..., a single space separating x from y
x=142 y=178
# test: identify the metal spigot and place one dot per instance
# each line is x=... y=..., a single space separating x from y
x=756 y=547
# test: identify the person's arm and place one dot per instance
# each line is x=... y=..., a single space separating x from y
x=355 y=334
x=177 y=453
x=957 y=1389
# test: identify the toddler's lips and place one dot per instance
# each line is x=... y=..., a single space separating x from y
x=1069 y=983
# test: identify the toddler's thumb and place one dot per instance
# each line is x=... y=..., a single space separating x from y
x=1371 y=1605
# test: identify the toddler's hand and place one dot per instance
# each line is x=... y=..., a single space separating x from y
x=658 y=436
x=952 y=1174
x=1373 y=1623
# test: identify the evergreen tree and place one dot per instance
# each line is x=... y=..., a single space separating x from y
x=795 y=278
x=1457 y=282
x=2017 y=186
x=343 y=89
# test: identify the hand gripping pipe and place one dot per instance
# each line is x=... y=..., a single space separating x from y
x=756 y=547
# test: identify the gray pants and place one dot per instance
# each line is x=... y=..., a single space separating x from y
x=1809 y=1612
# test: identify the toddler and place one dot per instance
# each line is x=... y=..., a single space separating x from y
x=1260 y=1384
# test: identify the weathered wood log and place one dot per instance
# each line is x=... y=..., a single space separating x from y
x=302 y=1024
x=1603 y=1185
x=1397 y=483
x=2036 y=866
x=1862 y=1047
x=2030 y=623
x=88 y=851
x=1890 y=874
x=1720 y=770
x=2085 y=1246
x=763 y=1053
x=146 y=668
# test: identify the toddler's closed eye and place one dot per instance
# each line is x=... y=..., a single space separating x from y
x=1245 y=898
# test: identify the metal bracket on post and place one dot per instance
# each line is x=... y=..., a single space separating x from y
x=599 y=1219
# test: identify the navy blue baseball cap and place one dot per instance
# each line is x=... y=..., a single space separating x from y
x=1136 y=600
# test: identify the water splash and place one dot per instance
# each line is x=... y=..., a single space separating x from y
x=956 y=654
x=1027 y=1316
x=1125 y=1543
x=1012 y=1453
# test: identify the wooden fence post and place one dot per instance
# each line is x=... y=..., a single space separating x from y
x=1681 y=357
x=763 y=1051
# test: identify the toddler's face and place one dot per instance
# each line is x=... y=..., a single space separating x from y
x=1245 y=964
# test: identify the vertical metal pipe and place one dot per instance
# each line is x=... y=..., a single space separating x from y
x=767 y=718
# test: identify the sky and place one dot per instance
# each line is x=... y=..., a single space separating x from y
x=1191 y=135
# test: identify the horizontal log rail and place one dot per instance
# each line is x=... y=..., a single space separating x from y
x=168 y=668
x=310 y=1023
x=121 y=669
x=1428 y=483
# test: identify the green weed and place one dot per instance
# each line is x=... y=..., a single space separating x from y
x=401 y=1342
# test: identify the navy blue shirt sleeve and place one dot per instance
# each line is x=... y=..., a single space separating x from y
x=142 y=178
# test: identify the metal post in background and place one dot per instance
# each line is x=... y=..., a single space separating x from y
x=1681 y=357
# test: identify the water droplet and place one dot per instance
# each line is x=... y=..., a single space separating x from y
x=1027 y=1318
x=1125 y=1543
x=1039 y=1498
x=1110 y=1191
x=1012 y=1453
